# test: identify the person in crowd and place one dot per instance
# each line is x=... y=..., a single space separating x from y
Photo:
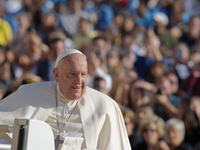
x=145 y=13
x=139 y=93
x=162 y=145
x=128 y=25
x=85 y=33
x=127 y=40
x=191 y=85
x=5 y=30
x=141 y=113
x=59 y=33
x=45 y=67
x=157 y=69
x=193 y=32
x=176 y=33
x=121 y=70
x=2 y=91
x=191 y=122
x=178 y=15
x=152 y=130
x=195 y=49
x=166 y=40
x=174 y=83
x=6 y=74
x=192 y=11
x=10 y=10
x=104 y=15
x=49 y=23
x=24 y=25
x=127 y=74
x=195 y=105
x=96 y=66
x=31 y=45
x=113 y=66
x=34 y=10
x=116 y=28
x=7 y=55
x=93 y=119
x=69 y=19
x=181 y=66
x=129 y=119
x=175 y=133
x=29 y=52
x=164 y=102
x=100 y=85
x=103 y=43
x=151 y=52
x=18 y=81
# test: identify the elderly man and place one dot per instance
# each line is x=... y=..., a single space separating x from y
x=76 y=113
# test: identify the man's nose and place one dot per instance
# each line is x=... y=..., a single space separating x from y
x=78 y=79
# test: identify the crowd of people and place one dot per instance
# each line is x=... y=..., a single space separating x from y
x=145 y=54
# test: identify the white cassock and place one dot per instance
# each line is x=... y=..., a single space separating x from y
x=96 y=123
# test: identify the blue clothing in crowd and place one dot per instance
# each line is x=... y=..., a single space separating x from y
x=105 y=16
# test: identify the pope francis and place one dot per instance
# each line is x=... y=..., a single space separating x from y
x=80 y=117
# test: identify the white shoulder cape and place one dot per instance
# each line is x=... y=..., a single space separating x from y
x=103 y=124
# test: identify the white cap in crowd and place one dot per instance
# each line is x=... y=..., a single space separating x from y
x=161 y=17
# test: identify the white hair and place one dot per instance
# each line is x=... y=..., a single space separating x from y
x=177 y=123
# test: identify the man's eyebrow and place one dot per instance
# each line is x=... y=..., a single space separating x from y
x=71 y=70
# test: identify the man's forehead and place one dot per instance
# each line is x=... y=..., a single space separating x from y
x=74 y=61
x=75 y=58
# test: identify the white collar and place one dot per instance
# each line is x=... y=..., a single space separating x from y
x=64 y=99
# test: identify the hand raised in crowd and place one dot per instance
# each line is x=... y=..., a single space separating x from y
x=160 y=99
x=146 y=86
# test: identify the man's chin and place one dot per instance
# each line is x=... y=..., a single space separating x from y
x=75 y=96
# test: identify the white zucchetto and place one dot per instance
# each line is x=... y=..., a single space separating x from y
x=66 y=53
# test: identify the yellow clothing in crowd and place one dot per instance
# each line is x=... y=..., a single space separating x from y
x=5 y=32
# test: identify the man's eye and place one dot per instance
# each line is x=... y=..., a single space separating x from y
x=71 y=75
x=84 y=74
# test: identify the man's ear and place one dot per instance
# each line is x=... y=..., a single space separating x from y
x=55 y=73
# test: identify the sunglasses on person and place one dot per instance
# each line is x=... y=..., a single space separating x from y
x=149 y=130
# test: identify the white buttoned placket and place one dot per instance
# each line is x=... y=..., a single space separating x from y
x=71 y=130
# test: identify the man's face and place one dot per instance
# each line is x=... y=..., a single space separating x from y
x=71 y=76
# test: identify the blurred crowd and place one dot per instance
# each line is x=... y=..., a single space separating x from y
x=145 y=54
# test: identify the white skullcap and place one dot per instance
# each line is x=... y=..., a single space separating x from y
x=161 y=17
x=66 y=53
